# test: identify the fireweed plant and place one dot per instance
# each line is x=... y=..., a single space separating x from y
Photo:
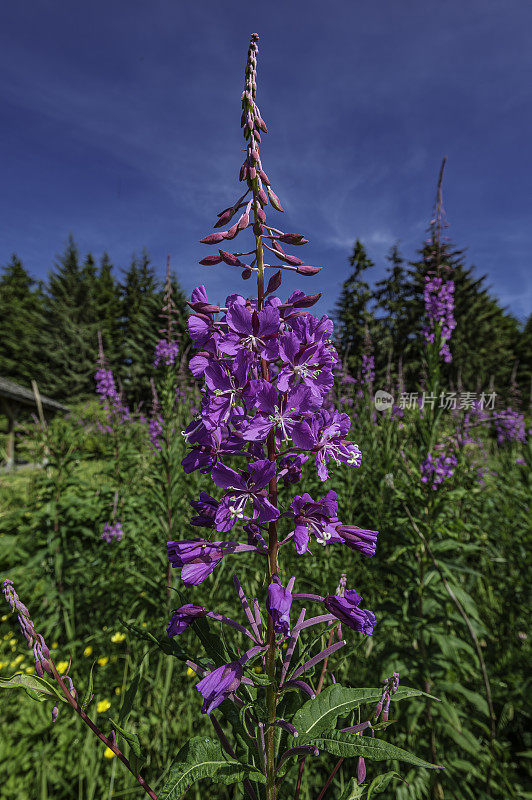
x=266 y=367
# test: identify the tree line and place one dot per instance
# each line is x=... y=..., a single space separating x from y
x=491 y=348
x=50 y=329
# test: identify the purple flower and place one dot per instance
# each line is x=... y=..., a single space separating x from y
x=347 y=611
x=217 y=685
x=439 y=310
x=278 y=411
x=165 y=351
x=183 y=617
x=314 y=518
x=244 y=487
x=198 y=558
x=256 y=331
x=510 y=426
x=279 y=603
x=358 y=539
x=112 y=531
x=368 y=368
x=325 y=434
x=438 y=468
x=156 y=430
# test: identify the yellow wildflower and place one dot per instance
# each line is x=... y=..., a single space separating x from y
x=144 y=624
x=13 y=642
x=108 y=753
x=257 y=669
x=102 y=661
x=62 y=666
x=191 y=673
x=3 y=664
x=29 y=670
x=8 y=635
x=88 y=651
x=118 y=637
x=16 y=661
x=285 y=645
x=104 y=628
x=55 y=645
x=118 y=690
x=103 y=705
x=4 y=617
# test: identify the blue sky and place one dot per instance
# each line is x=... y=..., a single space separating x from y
x=121 y=124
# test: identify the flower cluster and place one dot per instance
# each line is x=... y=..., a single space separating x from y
x=510 y=426
x=112 y=531
x=265 y=367
x=368 y=368
x=110 y=397
x=439 y=310
x=166 y=352
x=438 y=468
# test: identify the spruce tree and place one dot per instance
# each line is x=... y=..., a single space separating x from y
x=21 y=323
x=107 y=301
x=71 y=336
x=352 y=312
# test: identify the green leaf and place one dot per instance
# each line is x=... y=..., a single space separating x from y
x=347 y=745
x=202 y=757
x=129 y=697
x=88 y=694
x=321 y=713
x=380 y=783
x=131 y=738
x=32 y=683
x=352 y=791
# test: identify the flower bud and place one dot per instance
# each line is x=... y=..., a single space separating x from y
x=264 y=177
x=361 y=770
x=246 y=274
x=252 y=173
x=55 y=712
x=274 y=282
x=293 y=238
x=308 y=270
x=257 y=228
x=243 y=222
x=274 y=200
x=232 y=232
x=307 y=301
x=294 y=261
x=224 y=217
x=243 y=172
x=231 y=259
x=263 y=197
x=260 y=214
x=214 y=238
x=209 y=261
x=261 y=124
x=257 y=136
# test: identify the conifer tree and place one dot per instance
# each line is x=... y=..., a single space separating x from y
x=71 y=335
x=352 y=311
x=21 y=323
x=107 y=300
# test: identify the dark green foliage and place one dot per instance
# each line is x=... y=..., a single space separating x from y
x=21 y=318
x=352 y=312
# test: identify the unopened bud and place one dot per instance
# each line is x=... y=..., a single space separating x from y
x=361 y=770
x=223 y=217
x=274 y=282
x=257 y=228
x=214 y=238
x=246 y=274
x=243 y=222
x=274 y=200
x=55 y=712
x=252 y=173
x=243 y=172
x=293 y=238
x=231 y=259
x=308 y=270
x=263 y=197
x=264 y=177
x=294 y=261
x=232 y=232
x=260 y=214
x=209 y=261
